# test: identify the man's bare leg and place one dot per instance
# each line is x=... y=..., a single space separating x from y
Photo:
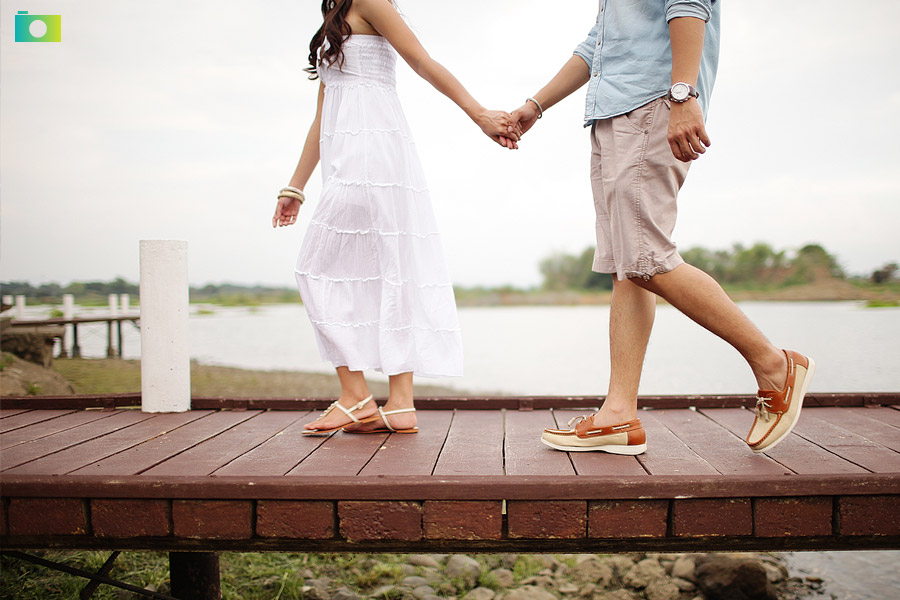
x=703 y=300
x=631 y=314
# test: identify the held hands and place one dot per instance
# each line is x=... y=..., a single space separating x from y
x=499 y=126
x=687 y=135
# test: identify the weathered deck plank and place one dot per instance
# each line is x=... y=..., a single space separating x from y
x=278 y=454
x=848 y=445
x=25 y=418
x=150 y=453
x=523 y=455
x=47 y=427
x=474 y=445
x=95 y=450
x=29 y=451
x=215 y=452
x=668 y=455
x=796 y=453
x=412 y=454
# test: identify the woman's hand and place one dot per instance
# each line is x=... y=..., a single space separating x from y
x=498 y=126
x=286 y=212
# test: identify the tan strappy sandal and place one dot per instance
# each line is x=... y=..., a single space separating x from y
x=347 y=411
x=383 y=415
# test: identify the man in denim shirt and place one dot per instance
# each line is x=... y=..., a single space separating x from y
x=651 y=65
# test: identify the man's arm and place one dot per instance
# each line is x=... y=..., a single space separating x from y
x=687 y=133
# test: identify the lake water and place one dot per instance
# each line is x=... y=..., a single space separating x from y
x=564 y=351
x=561 y=350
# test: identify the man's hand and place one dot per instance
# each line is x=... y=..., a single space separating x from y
x=687 y=133
x=524 y=117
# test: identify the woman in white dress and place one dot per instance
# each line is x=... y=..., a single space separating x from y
x=371 y=270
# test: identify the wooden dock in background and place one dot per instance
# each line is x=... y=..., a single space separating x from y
x=237 y=474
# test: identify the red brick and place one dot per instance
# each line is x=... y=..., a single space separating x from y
x=867 y=515
x=380 y=520
x=712 y=517
x=463 y=520
x=628 y=518
x=212 y=519
x=295 y=519
x=130 y=518
x=788 y=517
x=47 y=516
x=547 y=519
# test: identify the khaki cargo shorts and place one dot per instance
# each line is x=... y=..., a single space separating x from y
x=635 y=179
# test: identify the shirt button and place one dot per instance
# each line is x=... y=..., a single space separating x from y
x=596 y=74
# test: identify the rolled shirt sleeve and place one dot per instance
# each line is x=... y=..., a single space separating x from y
x=700 y=9
x=586 y=49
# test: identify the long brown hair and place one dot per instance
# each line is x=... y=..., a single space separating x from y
x=334 y=29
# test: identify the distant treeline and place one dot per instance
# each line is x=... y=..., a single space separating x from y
x=759 y=266
x=97 y=293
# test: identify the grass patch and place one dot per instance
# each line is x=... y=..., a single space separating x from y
x=882 y=304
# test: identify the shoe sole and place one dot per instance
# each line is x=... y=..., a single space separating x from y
x=610 y=448
x=803 y=389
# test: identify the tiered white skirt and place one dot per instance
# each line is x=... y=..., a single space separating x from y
x=371 y=270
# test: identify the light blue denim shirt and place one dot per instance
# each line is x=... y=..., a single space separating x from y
x=630 y=55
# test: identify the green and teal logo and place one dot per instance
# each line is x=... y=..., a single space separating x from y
x=38 y=28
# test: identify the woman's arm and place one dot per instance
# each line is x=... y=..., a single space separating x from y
x=383 y=17
x=287 y=209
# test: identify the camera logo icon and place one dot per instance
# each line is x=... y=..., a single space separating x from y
x=38 y=28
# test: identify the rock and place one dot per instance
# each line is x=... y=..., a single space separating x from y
x=643 y=573
x=423 y=560
x=20 y=377
x=306 y=574
x=509 y=560
x=503 y=577
x=430 y=575
x=549 y=561
x=422 y=591
x=684 y=566
x=384 y=591
x=542 y=580
x=408 y=570
x=308 y=592
x=432 y=598
x=587 y=591
x=683 y=584
x=528 y=592
x=619 y=563
x=414 y=581
x=593 y=571
x=440 y=558
x=547 y=572
x=344 y=594
x=464 y=567
x=568 y=588
x=480 y=593
x=725 y=578
x=617 y=595
x=662 y=589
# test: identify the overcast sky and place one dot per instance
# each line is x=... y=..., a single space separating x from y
x=181 y=119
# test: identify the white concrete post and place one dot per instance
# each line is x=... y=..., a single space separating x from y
x=20 y=307
x=165 y=362
x=8 y=300
x=124 y=301
x=113 y=304
x=68 y=313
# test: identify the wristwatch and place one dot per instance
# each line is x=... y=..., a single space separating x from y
x=681 y=91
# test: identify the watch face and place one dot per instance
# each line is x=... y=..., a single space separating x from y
x=680 y=91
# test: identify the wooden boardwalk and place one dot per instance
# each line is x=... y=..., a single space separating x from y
x=475 y=478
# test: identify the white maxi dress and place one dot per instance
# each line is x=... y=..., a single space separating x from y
x=371 y=270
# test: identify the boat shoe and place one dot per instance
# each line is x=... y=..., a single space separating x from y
x=626 y=438
x=777 y=411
